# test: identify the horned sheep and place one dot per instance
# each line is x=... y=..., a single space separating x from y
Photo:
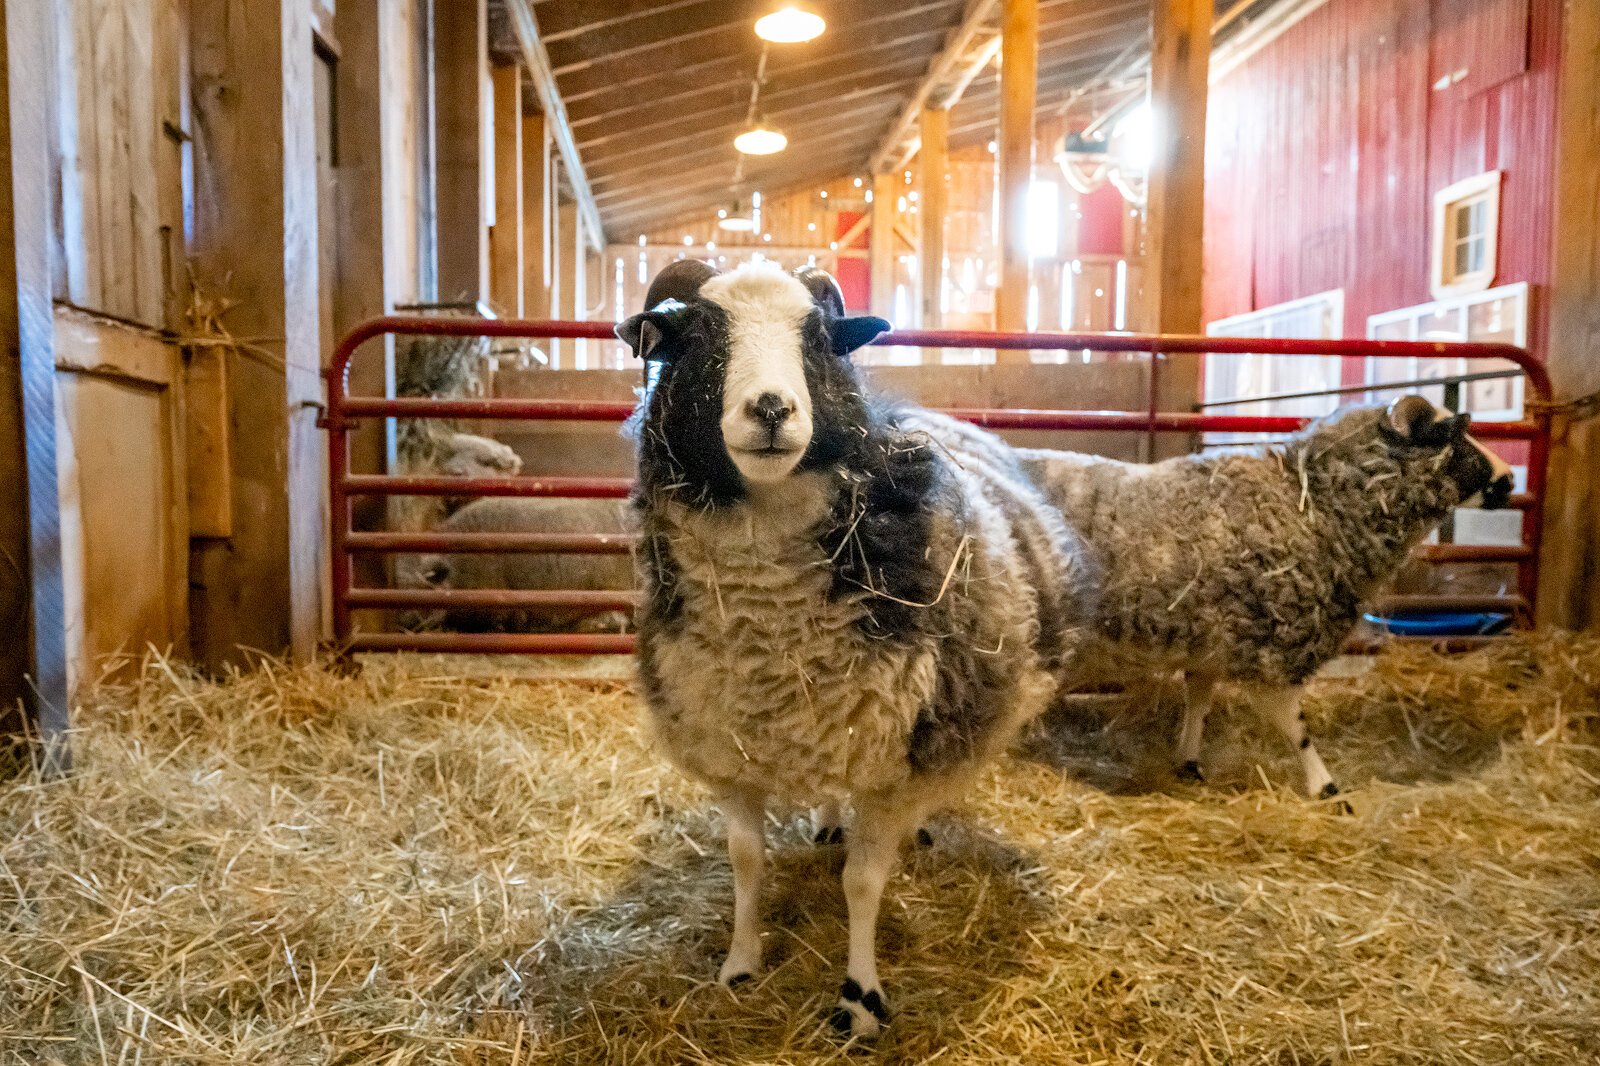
x=1253 y=566
x=843 y=600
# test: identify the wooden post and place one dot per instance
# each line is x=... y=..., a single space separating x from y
x=506 y=236
x=256 y=244
x=33 y=658
x=461 y=147
x=880 y=247
x=1175 y=207
x=935 y=155
x=1019 y=74
x=1569 y=585
x=535 y=218
x=566 y=243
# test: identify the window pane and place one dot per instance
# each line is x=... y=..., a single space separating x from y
x=1463 y=261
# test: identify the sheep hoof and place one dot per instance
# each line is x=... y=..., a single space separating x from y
x=829 y=834
x=738 y=968
x=1190 y=771
x=736 y=980
x=924 y=838
x=860 y=1014
x=1329 y=791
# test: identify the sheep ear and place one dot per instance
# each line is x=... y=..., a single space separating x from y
x=1410 y=416
x=645 y=333
x=848 y=334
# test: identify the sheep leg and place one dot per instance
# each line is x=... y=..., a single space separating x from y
x=747 y=852
x=882 y=823
x=828 y=819
x=1282 y=707
x=1197 y=692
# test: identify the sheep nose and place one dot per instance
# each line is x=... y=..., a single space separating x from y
x=769 y=409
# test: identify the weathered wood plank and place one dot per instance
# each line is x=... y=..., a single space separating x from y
x=506 y=236
x=1019 y=74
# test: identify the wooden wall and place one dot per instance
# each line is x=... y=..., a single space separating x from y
x=1325 y=148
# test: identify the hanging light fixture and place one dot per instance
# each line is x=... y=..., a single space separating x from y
x=790 y=24
x=736 y=219
x=761 y=139
x=1086 y=162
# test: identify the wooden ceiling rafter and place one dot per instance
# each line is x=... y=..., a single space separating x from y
x=970 y=39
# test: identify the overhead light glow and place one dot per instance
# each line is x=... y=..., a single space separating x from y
x=760 y=141
x=737 y=223
x=790 y=25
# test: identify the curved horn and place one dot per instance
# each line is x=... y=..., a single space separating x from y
x=679 y=280
x=825 y=291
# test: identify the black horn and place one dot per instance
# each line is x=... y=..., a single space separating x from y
x=679 y=280
x=825 y=291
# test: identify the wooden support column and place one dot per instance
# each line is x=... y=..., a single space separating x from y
x=565 y=239
x=255 y=244
x=1019 y=75
x=1569 y=586
x=33 y=657
x=461 y=147
x=880 y=248
x=935 y=157
x=506 y=236
x=535 y=217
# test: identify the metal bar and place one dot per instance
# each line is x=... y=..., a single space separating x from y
x=1474 y=553
x=1346 y=390
x=1148 y=421
x=1389 y=605
x=496 y=643
x=576 y=488
x=467 y=543
x=494 y=598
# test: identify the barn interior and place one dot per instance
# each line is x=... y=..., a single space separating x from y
x=263 y=801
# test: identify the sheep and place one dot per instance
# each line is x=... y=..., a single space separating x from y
x=1252 y=566
x=843 y=600
x=524 y=570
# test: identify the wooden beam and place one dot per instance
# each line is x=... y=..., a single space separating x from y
x=1569 y=587
x=506 y=235
x=1018 y=82
x=33 y=658
x=950 y=65
x=526 y=28
x=882 y=247
x=1175 y=201
x=535 y=217
x=256 y=245
x=462 y=148
x=935 y=164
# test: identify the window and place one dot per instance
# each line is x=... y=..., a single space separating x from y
x=1466 y=227
x=1492 y=390
x=1276 y=384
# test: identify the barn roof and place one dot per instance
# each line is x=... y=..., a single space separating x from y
x=656 y=91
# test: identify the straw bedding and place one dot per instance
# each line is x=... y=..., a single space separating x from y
x=410 y=865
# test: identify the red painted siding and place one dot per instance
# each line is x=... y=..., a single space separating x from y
x=1325 y=148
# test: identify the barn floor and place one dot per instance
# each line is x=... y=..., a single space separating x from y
x=407 y=866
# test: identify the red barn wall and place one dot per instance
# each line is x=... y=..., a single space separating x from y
x=1325 y=148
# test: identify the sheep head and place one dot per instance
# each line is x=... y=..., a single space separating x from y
x=1413 y=421
x=753 y=381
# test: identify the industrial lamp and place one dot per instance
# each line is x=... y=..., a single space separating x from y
x=790 y=25
x=760 y=140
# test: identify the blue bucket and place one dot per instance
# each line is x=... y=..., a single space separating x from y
x=1441 y=623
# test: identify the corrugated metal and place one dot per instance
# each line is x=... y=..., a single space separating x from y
x=1326 y=147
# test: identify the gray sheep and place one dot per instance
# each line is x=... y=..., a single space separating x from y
x=843 y=600
x=1253 y=566
x=524 y=570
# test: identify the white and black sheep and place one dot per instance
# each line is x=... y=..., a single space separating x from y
x=844 y=601
x=1253 y=566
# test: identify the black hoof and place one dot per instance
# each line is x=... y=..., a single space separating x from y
x=924 y=838
x=829 y=834
x=1329 y=791
x=736 y=980
x=1190 y=771
x=853 y=1003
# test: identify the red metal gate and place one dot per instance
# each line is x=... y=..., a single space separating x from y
x=343 y=410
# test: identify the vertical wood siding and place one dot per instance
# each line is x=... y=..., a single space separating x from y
x=1325 y=149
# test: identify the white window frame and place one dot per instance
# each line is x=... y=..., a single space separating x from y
x=1443 y=282
x=1459 y=305
x=1332 y=304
